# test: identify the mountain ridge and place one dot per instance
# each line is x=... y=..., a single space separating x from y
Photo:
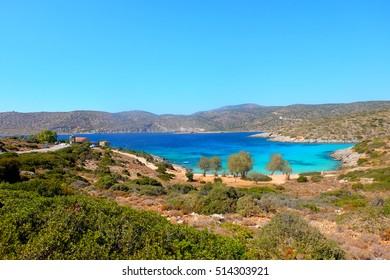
x=243 y=117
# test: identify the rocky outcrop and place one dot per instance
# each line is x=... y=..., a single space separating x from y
x=274 y=137
x=348 y=156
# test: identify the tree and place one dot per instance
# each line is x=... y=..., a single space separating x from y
x=275 y=163
x=45 y=136
x=286 y=169
x=216 y=164
x=240 y=163
x=204 y=164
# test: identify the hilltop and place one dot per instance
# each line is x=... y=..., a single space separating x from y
x=289 y=120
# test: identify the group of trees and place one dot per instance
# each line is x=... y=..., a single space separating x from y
x=45 y=136
x=242 y=162
x=206 y=164
x=277 y=163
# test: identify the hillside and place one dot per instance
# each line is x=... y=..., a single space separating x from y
x=343 y=128
x=247 y=117
x=83 y=203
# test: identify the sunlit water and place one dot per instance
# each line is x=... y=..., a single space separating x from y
x=186 y=149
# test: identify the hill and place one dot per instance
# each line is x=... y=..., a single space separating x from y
x=246 y=117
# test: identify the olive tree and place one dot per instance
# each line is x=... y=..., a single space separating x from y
x=216 y=164
x=204 y=164
x=240 y=163
x=277 y=163
x=45 y=136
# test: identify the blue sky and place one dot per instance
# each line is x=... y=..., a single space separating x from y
x=186 y=56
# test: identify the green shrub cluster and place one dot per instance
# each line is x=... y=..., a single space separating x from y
x=302 y=179
x=344 y=197
x=372 y=219
x=287 y=236
x=77 y=227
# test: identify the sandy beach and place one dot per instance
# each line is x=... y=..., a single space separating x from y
x=277 y=179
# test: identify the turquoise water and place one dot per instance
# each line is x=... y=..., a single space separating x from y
x=186 y=149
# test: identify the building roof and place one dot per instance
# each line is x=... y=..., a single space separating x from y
x=81 y=139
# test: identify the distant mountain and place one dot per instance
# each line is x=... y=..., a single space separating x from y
x=245 y=117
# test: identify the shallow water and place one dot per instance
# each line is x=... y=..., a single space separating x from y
x=186 y=149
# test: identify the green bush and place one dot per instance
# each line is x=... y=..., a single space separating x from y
x=247 y=206
x=221 y=199
x=145 y=180
x=256 y=192
x=258 y=177
x=81 y=228
x=151 y=190
x=185 y=203
x=302 y=179
x=357 y=186
x=9 y=170
x=184 y=189
x=287 y=236
x=317 y=178
x=166 y=176
x=366 y=219
x=106 y=181
x=217 y=180
x=344 y=197
x=314 y=173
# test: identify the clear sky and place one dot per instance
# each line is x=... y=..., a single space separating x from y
x=183 y=56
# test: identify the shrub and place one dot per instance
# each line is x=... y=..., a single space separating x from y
x=151 y=190
x=366 y=219
x=106 y=181
x=145 y=180
x=190 y=176
x=77 y=227
x=9 y=170
x=317 y=178
x=357 y=186
x=344 y=197
x=256 y=192
x=184 y=189
x=120 y=187
x=258 y=177
x=314 y=173
x=185 y=203
x=217 y=180
x=166 y=176
x=302 y=179
x=221 y=199
x=247 y=206
x=287 y=236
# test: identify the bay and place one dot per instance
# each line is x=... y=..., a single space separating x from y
x=186 y=149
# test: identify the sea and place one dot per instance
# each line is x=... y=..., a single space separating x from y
x=186 y=149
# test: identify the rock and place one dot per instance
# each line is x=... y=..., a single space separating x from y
x=348 y=156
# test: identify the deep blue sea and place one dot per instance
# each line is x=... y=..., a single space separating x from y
x=186 y=149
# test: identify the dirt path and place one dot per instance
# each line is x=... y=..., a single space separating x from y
x=45 y=150
x=141 y=159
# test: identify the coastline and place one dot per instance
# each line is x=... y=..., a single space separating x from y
x=274 y=137
x=347 y=156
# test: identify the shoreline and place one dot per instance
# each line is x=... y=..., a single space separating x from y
x=273 y=137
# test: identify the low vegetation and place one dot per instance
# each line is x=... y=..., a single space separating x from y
x=66 y=205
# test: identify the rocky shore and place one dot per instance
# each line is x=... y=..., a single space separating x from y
x=348 y=156
x=274 y=137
